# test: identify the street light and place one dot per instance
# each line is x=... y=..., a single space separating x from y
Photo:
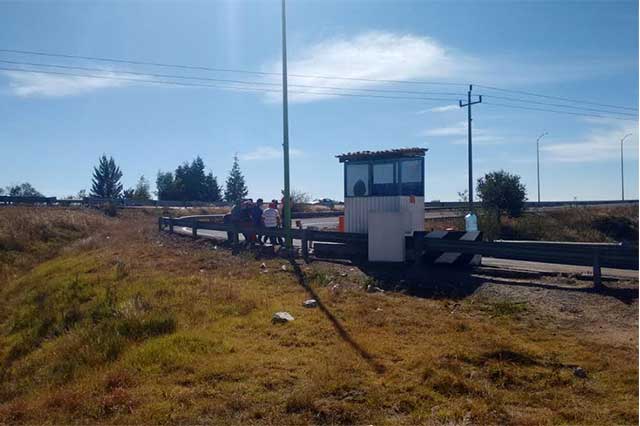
x=622 y=163
x=538 y=155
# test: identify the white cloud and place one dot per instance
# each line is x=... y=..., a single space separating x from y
x=487 y=139
x=371 y=55
x=481 y=136
x=444 y=108
x=27 y=84
x=457 y=129
x=380 y=55
x=268 y=153
x=602 y=142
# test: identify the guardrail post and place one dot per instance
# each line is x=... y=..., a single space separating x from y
x=305 y=246
x=171 y=225
x=194 y=229
x=418 y=246
x=160 y=224
x=597 y=273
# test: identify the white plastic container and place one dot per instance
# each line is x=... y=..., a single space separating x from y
x=470 y=222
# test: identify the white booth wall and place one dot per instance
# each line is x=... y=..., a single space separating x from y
x=357 y=210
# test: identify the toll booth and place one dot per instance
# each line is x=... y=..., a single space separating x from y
x=385 y=188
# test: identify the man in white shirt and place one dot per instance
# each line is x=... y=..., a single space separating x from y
x=271 y=219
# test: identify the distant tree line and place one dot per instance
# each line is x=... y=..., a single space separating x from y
x=20 y=190
x=189 y=182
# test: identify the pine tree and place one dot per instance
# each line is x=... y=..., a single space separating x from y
x=165 y=185
x=213 y=192
x=106 y=179
x=142 y=192
x=188 y=183
x=236 y=189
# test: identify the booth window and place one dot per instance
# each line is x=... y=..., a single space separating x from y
x=384 y=182
x=357 y=180
x=412 y=178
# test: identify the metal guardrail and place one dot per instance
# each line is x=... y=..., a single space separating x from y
x=91 y=201
x=123 y=202
x=306 y=236
x=4 y=199
x=595 y=255
x=451 y=205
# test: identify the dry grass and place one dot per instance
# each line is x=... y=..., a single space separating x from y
x=31 y=234
x=148 y=329
x=598 y=224
x=581 y=224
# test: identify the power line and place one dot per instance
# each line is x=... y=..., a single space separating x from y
x=324 y=77
x=554 y=97
x=225 y=87
x=506 y=98
x=231 y=70
x=261 y=83
x=559 y=112
x=262 y=89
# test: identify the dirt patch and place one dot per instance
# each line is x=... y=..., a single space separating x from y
x=608 y=316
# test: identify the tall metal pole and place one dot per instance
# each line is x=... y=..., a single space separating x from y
x=622 y=163
x=470 y=148
x=285 y=131
x=538 y=155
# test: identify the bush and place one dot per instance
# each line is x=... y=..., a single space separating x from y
x=502 y=193
x=616 y=227
x=110 y=210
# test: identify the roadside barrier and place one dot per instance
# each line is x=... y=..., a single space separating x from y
x=454 y=258
x=455 y=249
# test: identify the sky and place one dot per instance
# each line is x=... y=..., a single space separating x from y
x=53 y=127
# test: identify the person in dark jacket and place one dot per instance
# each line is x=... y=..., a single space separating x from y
x=256 y=217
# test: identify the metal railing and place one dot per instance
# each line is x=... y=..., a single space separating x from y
x=119 y=202
x=595 y=255
x=306 y=236
x=452 y=205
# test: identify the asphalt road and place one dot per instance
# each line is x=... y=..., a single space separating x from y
x=332 y=222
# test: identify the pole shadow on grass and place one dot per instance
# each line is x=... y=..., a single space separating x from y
x=344 y=334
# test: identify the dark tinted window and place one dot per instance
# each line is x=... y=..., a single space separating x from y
x=411 y=175
x=357 y=180
x=384 y=182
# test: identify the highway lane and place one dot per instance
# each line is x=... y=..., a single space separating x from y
x=332 y=222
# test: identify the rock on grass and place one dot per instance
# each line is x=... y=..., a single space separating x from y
x=282 y=318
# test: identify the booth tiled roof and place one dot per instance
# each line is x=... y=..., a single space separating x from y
x=389 y=153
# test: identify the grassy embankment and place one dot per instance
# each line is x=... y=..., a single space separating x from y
x=127 y=326
x=586 y=224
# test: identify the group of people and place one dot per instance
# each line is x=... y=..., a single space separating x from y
x=247 y=214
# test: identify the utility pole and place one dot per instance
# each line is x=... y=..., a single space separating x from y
x=285 y=130
x=538 y=155
x=468 y=105
x=622 y=163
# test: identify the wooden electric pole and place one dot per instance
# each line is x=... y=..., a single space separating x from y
x=470 y=148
